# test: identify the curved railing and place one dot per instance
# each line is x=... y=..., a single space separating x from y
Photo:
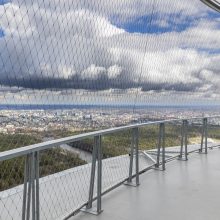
x=31 y=206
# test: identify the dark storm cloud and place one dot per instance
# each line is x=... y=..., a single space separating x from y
x=102 y=82
x=75 y=82
x=180 y=87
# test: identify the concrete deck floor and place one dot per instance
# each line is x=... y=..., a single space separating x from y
x=185 y=191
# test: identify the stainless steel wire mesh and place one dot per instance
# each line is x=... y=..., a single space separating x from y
x=69 y=67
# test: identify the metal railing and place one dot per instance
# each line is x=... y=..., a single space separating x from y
x=31 y=188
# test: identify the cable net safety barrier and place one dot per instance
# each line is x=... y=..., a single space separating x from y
x=73 y=67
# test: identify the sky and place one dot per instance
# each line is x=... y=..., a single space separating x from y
x=135 y=52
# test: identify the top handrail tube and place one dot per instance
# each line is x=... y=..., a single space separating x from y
x=5 y=155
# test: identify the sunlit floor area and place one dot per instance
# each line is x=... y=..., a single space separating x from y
x=187 y=190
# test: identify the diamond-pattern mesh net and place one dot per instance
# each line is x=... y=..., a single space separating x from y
x=75 y=66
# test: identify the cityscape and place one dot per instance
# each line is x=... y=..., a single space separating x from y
x=92 y=118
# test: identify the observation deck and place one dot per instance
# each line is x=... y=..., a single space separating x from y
x=179 y=182
x=186 y=190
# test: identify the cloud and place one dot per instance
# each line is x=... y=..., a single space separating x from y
x=78 y=45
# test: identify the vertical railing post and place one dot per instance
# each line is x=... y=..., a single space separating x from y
x=131 y=157
x=37 y=186
x=26 y=174
x=96 y=155
x=204 y=135
x=92 y=176
x=161 y=144
x=137 y=155
x=134 y=146
x=158 y=148
x=31 y=188
x=184 y=141
x=99 y=176
x=33 y=185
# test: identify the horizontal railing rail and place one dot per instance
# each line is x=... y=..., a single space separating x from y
x=31 y=187
x=5 y=155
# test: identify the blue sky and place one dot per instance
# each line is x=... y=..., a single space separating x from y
x=146 y=24
x=4 y=2
x=1 y=33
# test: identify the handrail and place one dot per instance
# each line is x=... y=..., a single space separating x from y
x=5 y=155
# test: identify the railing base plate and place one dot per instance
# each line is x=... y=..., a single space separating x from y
x=158 y=169
x=182 y=159
x=92 y=211
x=131 y=184
x=201 y=152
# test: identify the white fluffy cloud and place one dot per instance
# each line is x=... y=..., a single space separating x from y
x=72 y=44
